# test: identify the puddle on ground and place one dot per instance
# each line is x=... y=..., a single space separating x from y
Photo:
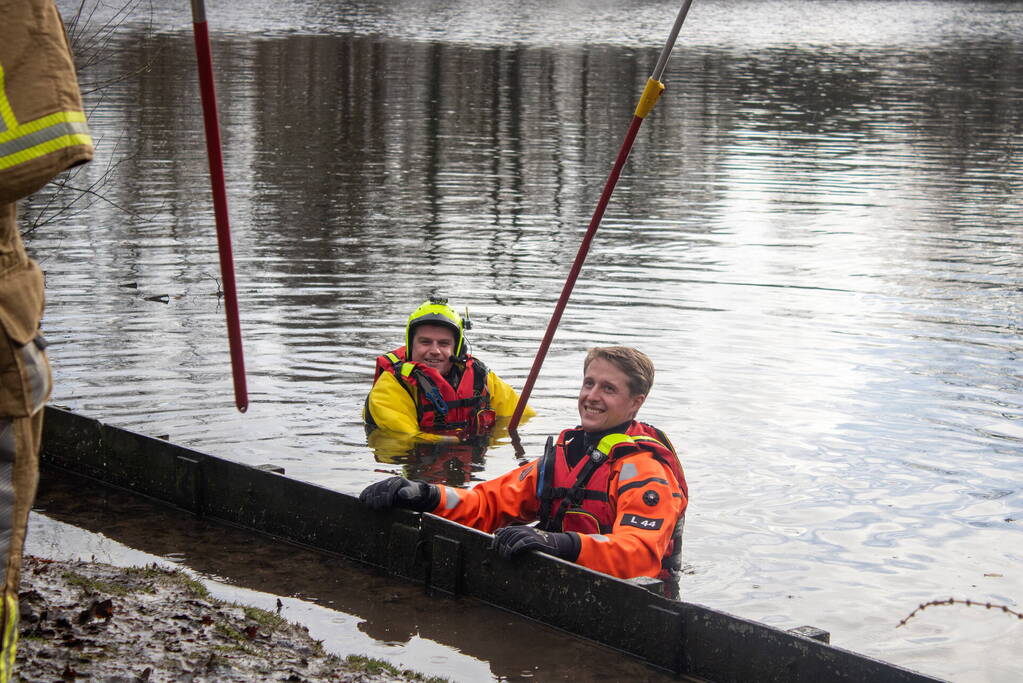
x=350 y=609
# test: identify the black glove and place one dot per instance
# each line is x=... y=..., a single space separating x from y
x=399 y=492
x=513 y=540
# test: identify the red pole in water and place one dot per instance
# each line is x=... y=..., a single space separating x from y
x=209 y=109
x=653 y=90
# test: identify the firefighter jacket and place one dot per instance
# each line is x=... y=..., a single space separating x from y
x=644 y=502
x=42 y=132
x=42 y=125
x=411 y=398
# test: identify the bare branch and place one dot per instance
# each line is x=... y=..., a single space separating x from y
x=93 y=28
x=953 y=601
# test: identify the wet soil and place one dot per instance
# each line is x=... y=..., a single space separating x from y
x=95 y=622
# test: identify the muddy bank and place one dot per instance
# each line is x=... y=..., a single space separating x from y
x=92 y=621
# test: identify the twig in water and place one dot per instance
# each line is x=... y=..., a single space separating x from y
x=953 y=601
x=220 y=292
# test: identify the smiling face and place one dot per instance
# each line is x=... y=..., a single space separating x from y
x=433 y=345
x=605 y=399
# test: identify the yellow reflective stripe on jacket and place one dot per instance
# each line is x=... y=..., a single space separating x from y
x=9 y=647
x=611 y=440
x=21 y=142
x=406 y=369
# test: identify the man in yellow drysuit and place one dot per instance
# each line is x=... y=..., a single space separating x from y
x=42 y=132
x=433 y=388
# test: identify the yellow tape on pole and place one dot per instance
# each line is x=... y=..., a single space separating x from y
x=651 y=93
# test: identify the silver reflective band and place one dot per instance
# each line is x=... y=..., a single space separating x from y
x=57 y=130
x=38 y=371
x=629 y=471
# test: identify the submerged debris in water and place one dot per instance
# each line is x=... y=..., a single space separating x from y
x=92 y=621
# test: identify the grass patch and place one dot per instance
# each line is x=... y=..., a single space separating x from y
x=372 y=666
x=97 y=585
x=268 y=620
x=239 y=648
x=229 y=632
x=152 y=573
x=137 y=580
x=194 y=586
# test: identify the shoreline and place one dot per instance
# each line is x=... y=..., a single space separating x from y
x=95 y=621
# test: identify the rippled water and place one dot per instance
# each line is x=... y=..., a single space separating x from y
x=816 y=239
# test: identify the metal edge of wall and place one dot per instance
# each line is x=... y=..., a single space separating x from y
x=451 y=559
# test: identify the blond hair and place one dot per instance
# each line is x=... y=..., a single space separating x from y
x=636 y=365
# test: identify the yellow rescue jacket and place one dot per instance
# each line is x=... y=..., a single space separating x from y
x=391 y=407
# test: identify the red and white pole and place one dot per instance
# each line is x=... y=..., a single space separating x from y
x=651 y=93
x=209 y=108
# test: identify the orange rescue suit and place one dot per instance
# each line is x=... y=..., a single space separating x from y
x=645 y=498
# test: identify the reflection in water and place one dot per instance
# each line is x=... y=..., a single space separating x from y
x=436 y=462
x=450 y=461
x=816 y=239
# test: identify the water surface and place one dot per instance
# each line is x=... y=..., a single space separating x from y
x=816 y=239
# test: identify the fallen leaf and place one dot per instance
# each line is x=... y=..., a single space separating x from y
x=99 y=609
x=103 y=609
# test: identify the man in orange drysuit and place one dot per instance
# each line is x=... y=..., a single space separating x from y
x=609 y=494
x=42 y=132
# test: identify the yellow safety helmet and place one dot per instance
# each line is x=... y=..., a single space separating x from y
x=437 y=312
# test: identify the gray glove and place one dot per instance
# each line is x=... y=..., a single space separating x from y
x=399 y=492
x=512 y=540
